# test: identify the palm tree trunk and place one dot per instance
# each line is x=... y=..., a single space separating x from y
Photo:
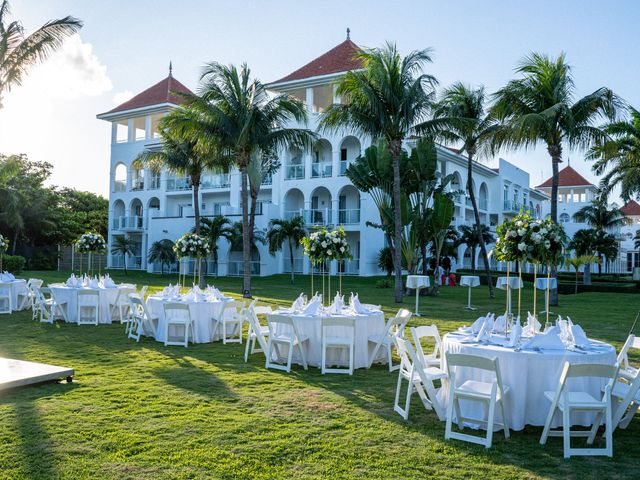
x=15 y=241
x=195 y=182
x=125 y=263
x=556 y=157
x=246 y=239
x=215 y=259
x=423 y=253
x=291 y=258
x=252 y=213
x=395 y=149
x=476 y=216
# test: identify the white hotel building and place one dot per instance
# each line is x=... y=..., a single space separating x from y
x=148 y=207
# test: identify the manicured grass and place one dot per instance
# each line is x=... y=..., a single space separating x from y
x=146 y=411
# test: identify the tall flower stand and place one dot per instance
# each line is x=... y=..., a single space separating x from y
x=417 y=282
x=509 y=284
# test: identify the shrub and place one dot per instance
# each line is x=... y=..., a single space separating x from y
x=383 y=283
x=13 y=263
x=385 y=260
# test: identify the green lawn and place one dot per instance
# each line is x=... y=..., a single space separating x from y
x=146 y=411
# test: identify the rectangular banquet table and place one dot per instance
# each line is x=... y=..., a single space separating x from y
x=69 y=295
x=202 y=315
x=528 y=374
x=310 y=326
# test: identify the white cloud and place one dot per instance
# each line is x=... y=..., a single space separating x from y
x=122 y=97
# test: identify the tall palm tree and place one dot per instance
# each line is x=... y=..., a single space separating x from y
x=599 y=216
x=540 y=108
x=234 y=112
x=162 y=251
x=19 y=52
x=122 y=245
x=469 y=237
x=619 y=156
x=385 y=100
x=580 y=261
x=460 y=119
x=289 y=231
x=213 y=229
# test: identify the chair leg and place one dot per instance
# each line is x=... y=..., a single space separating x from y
x=566 y=431
x=547 y=424
x=490 y=420
x=458 y=414
x=323 y=359
x=290 y=356
x=246 y=350
x=608 y=432
x=396 y=402
x=447 y=430
x=351 y=358
x=407 y=401
x=505 y=422
x=594 y=428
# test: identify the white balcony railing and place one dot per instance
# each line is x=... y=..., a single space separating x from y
x=178 y=184
x=120 y=186
x=215 y=181
x=154 y=183
x=137 y=184
x=343 y=167
x=318 y=216
x=236 y=268
x=351 y=267
x=349 y=216
x=321 y=170
x=134 y=223
x=293 y=172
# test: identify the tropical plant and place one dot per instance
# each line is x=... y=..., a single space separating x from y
x=236 y=114
x=122 y=245
x=594 y=242
x=539 y=107
x=283 y=231
x=440 y=220
x=469 y=237
x=580 y=261
x=236 y=237
x=214 y=229
x=162 y=251
x=619 y=156
x=18 y=51
x=460 y=119
x=599 y=216
x=385 y=100
x=385 y=260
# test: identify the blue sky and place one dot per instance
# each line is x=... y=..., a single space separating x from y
x=126 y=46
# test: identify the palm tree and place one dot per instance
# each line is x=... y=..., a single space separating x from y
x=236 y=237
x=213 y=229
x=122 y=246
x=182 y=156
x=581 y=261
x=583 y=243
x=385 y=100
x=540 y=108
x=235 y=113
x=469 y=237
x=19 y=52
x=460 y=118
x=289 y=231
x=599 y=216
x=162 y=251
x=620 y=155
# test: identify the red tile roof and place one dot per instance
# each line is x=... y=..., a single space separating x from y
x=631 y=209
x=161 y=92
x=567 y=177
x=340 y=58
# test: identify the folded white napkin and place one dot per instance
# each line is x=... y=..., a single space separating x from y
x=477 y=325
x=7 y=277
x=94 y=283
x=484 y=330
x=108 y=282
x=71 y=281
x=312 y=307
x=578 y=337
x=298 y=303
x=516 y=333
x=500 y=324
x=528 y=330
x=356 y=306
x=338 y=304
x=550 y=340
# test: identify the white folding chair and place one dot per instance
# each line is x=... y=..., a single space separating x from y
x=121 y=307
x=256 y=332
x=6 y=298
x=289 y=337
x=43 y=306
x=332 y=337
x=626 y=400
x=427 y=331
x=568 y=402
x=58 y=307
x=143 y=291
x=26 y=299
x=88 y=308
x=230 y=322
x=177 y=315
x=627 y=370
x=492 y=394
x=395 y=326
x=420 y=379
x=142 y=322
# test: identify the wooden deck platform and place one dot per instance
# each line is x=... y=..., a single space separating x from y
x=18 y=373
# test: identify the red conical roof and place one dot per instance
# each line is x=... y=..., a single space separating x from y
x=161 y=92
x=567 y=177
x=631 y=209
x=340 y=58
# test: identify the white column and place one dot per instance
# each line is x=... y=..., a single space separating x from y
x=147 y=127
x=335 y=163
x=308 y=161
x=572 y=198
x=114 y=132
x=310 y=99
x=131 y=130
x=336 y=97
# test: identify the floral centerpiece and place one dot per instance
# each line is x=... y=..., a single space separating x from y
x=4 y=246
x=193 y=246
x=90 y=243
x=323 y=246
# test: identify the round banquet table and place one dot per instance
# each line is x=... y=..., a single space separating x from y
x=528 y=374
x=203 y=313
x=18 y=287
x=69 y=295
x=310 y=326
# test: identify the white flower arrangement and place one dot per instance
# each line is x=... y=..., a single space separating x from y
x=4 y=244
x=323 y=245
x=91 y=243
x=191 y=245
x=525 y=239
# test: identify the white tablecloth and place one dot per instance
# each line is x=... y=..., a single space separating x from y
x=541 y=283
x=469 y=281
x=514 y=282
x=310 y=326
x=70 y=296
x=528 y=374
x=418 y=281
x=202 y=315
x=18 y=287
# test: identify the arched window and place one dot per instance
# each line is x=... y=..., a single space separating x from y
x=120 y=178
x=564 y=218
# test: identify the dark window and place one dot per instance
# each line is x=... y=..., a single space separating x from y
x=343 y=154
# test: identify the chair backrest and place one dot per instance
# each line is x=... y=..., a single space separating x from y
x=176 y=309
x=139 y=306
x=262 y=310
x=337 y=321
x=277 y=319
x=404 y=347
x=588 y=370
x=34 y=282
x=632 y=342
x=395 y=325
x=143 y=291
x=255 y=326
x=88 y=298
x=464 y=360
x=426 y=331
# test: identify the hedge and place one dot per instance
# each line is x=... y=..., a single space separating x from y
x=13 y=263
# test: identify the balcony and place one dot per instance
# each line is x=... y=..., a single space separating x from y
x=215 y=181
x=134 y=262
x=128 y=224
x=137 y=185
x=513 y=206
x=154 y=183
x=178 y=184
x=120 y=186
x=317 y=216
x=236 y=268
x=267 y=180
x=351 y=267
x=321 y=170
x=343 y=168
x=230 y=211
x=294 y=172
x=350 y=216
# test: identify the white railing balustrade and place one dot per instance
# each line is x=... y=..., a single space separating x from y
x=293 y=172
x=349 y=216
